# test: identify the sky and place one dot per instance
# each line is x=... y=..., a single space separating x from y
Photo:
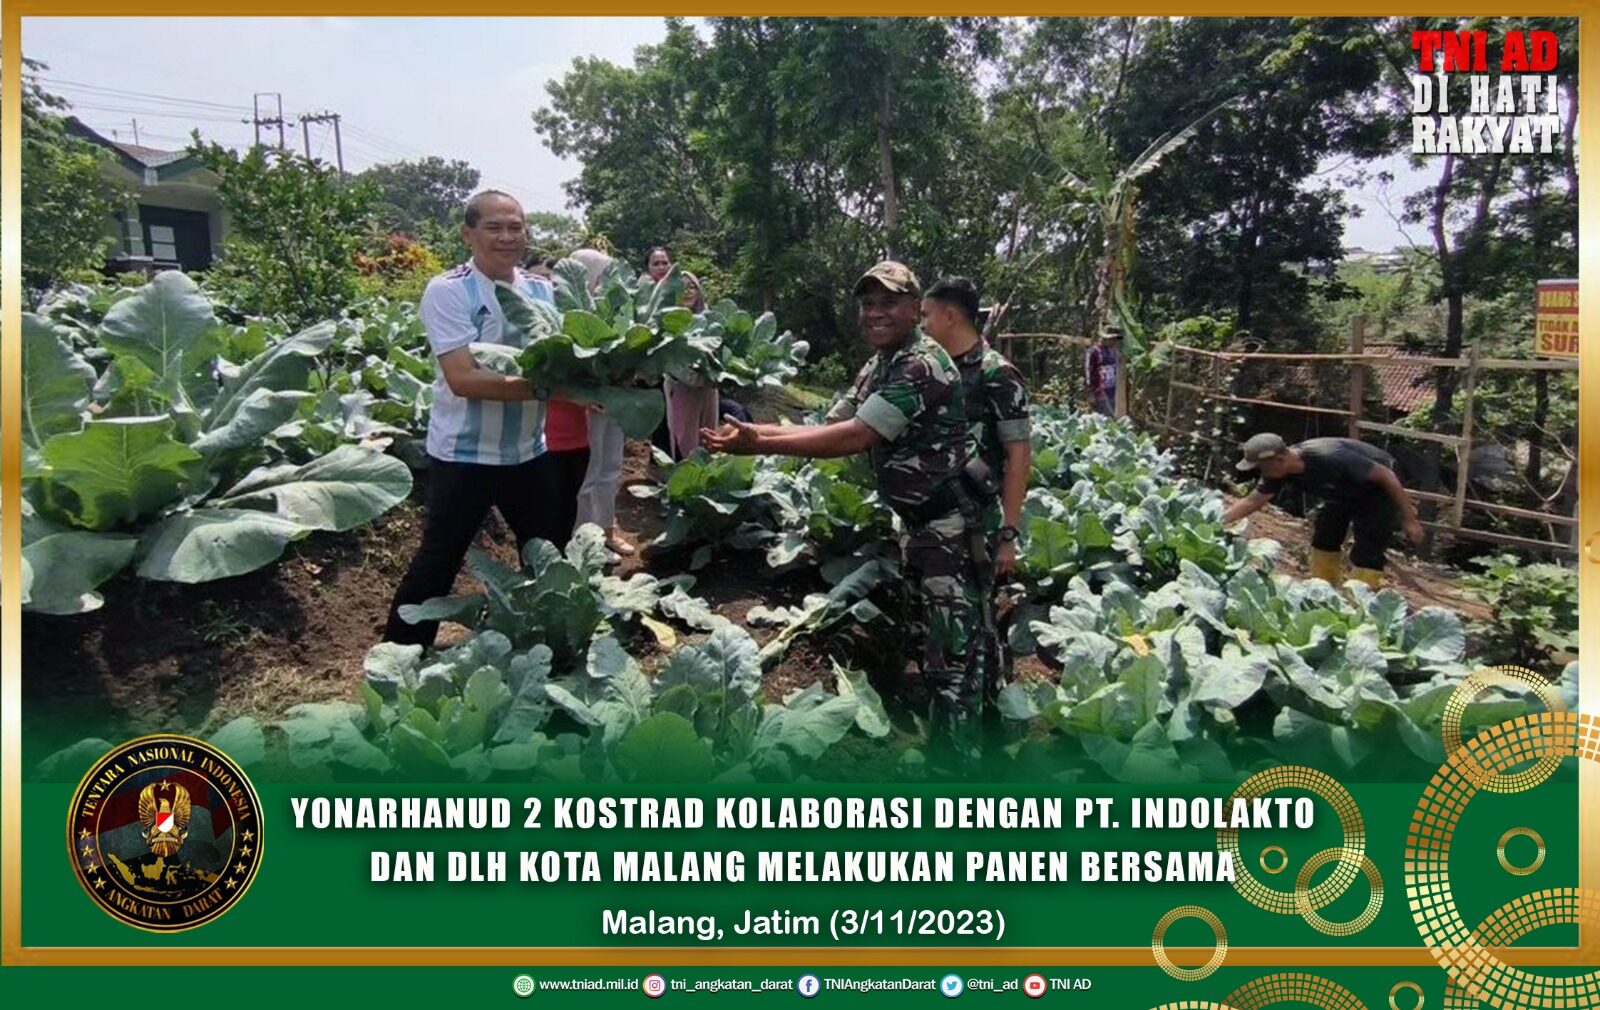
x=405 y=87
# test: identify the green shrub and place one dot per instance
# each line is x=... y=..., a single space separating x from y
x=829 y=372
x=1535 y=610
x=182 y=449
x=297 y=228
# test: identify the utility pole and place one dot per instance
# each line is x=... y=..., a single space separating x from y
x=259 y=120
x=338 y=142
x=338 y=145
x=136 y=131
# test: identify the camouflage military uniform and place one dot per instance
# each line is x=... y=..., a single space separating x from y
x=913 y=397
x=997 y=405
x=997 y=413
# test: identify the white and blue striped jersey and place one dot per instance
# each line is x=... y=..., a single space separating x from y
x=458 y=309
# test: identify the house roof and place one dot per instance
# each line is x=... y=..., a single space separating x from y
x=136 y=155
x=148 y=156
x=1405 y=384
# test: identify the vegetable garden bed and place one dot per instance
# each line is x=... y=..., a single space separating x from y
x=760 y=630
x=192 y=658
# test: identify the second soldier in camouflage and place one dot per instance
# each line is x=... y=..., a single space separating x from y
x=997 y=416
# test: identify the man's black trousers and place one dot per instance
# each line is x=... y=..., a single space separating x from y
x=1374 y=518
x=532 y=498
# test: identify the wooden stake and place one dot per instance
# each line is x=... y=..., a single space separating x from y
x=1464 y=447
x=1358 y=374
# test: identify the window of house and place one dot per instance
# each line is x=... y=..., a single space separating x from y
x=163 y=243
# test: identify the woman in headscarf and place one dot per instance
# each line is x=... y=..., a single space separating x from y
x=690 y=405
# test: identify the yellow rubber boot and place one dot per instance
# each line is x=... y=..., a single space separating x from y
x=1327 y=566
x=1371 y=577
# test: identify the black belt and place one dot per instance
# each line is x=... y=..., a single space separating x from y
x=943 y=501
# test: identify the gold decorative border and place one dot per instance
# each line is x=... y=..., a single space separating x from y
x=12 y=952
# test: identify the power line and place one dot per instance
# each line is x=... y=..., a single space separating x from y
x=359 y=148
x=186 y=116
x=381 y=138
x=258 y=120
x=122 y=60
x=105 y=129
x=380 y=142
x=378 y=147
x=368 y=144
x=307 y=118
x=198 y=112
x=126 y=93
x=362 y=154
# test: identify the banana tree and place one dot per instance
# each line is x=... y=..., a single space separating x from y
x=1113 y=200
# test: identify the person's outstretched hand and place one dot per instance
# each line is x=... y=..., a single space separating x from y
x=1414 y=532
x=735 y=436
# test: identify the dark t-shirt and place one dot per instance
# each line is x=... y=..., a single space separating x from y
x=1336 y=468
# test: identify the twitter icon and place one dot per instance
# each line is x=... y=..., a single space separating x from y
x=951 y=985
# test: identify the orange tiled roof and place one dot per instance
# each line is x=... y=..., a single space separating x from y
x=1405 y=385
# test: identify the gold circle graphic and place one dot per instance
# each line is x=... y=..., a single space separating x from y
x=1344 y=807
x=1281 y=866
x=1522 y=832
x=1514 y=920
x=1293 y=987
x=1317 y=922
x=1470 y=688
x=1158 y=945
x=1395 y=991
x=1466 y=956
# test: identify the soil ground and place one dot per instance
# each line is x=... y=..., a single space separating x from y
x=1421 y=583
x=190 y=658
x=167 y=657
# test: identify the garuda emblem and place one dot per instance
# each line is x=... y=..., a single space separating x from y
x=165 y=820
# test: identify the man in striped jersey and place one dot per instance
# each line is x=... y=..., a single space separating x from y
x=485 y=432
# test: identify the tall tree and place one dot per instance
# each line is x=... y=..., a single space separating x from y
x=744 y=148
x=423 y=199
x=553 y=232
x=67 y=197
x=1233 y=231
x=635 y=131
x=408 y=193
x=905 y=119
x=1045 y=128
x=759 y=205
x=1497 y=222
